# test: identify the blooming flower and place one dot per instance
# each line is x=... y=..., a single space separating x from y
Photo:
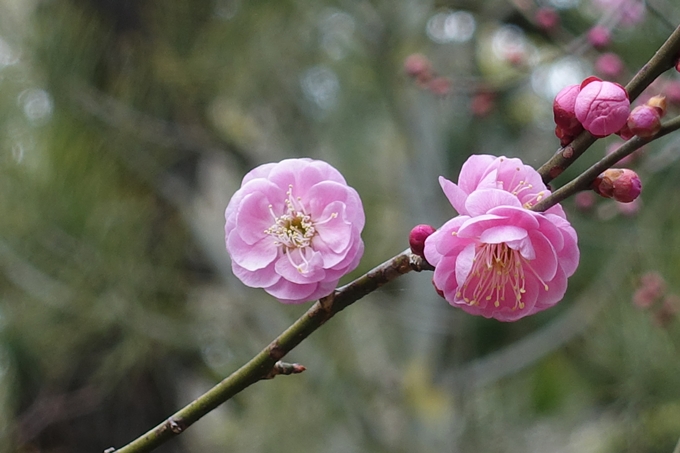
x=499 y=259
x=294 y=229
x=602 y=107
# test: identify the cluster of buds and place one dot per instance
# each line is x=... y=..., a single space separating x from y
x=598 y=106
x=603 y=108
x=621 y=184
x=651 y=293
x=419 y=67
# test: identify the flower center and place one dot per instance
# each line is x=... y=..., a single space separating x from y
x=293 y=229
x=497 y=272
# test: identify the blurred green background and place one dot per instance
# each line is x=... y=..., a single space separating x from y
x=125 y=126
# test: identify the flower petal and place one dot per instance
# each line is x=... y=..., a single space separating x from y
x=482 y=201
x=251 y=256
x=454 y=194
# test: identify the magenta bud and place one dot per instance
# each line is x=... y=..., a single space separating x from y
x=602 y=107
x=417 y=236
x=644 y=121
x=621 y=184
x=564 y=113
x=609 y=65
x=547 y=18
x=625 y=132
x=599 y=36
x=419 y=67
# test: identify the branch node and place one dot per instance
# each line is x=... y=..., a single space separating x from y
x=285 y=369
x=175 y=426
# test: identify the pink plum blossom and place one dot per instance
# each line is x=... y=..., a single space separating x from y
x=499 y=259
x=294 y=229
x=602 y=107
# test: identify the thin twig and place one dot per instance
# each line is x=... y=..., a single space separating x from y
x=663 y=60
x=262 y=365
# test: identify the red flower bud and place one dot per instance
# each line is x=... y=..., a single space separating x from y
x=621 y=184
x=416 y=238
x=644 y=121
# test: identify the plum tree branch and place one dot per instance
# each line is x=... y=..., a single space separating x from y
x=266 y=364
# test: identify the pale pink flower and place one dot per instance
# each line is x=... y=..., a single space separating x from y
x=294 y=229
x=498 y=259
x=602 y=107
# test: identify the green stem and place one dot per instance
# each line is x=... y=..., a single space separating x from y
x=261 y=366
x=663 y=60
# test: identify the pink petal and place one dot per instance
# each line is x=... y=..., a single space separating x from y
x=454 y=194
x=464 y=263
x=333 y=230
x=253 y=218
x=501 y=234
x=473 y=227
x=545 y=263
x=473 y=170
x=481 y=201
x=311 y=272
x=260 y=278
x=292 y=293
x=251 y=256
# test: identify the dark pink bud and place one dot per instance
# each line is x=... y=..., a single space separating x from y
x=416 y=238
x=563 y=110
x=602 y=107
x=644 y=121
x=547 y=18
x=599 y=36
x=419 y=67
x=441 y=86
x=609 y=65
x=621 y=184
x=482 y=104
x=625 y=132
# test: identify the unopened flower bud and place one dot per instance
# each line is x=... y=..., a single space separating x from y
x=419 y=67
x=609 y=65
x=602 y=107
x=547 y=18
x=599 y=36
x=441 y=86
x=621 y=184
x=625 y=132
x=417 y=236
x=564 y=113
x=659 y=103
x=644 y=121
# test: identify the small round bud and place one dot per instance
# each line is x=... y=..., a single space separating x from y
x=644 y=121
x=419 y=67
x=602 y=107
x=547 y=18
x=609 y=65
x=564 y=113
x=621 y=184
x=599 y=37
x=441 y=86
x=659 y=103
x=416 y=238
